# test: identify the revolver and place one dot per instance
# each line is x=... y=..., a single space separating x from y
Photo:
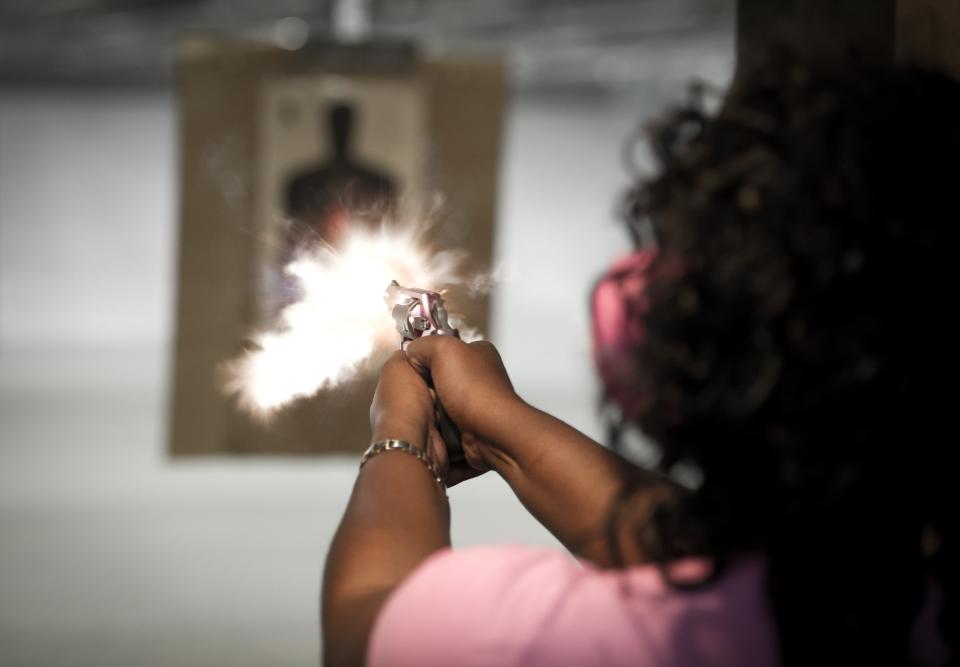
x=416 y=313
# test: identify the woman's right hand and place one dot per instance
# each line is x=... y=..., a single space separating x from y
x=473 y=387
x=566 y=480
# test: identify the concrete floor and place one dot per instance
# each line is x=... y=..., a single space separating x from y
x=112 y=555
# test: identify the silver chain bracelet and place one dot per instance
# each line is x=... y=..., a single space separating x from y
x=382 y=446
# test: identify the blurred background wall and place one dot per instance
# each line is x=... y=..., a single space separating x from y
x=110 y=554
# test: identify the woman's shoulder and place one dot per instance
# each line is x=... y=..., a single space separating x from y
x=513 y=605
x=501 y=568
x=486 y=602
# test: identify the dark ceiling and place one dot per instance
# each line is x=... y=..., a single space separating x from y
x=550 y=42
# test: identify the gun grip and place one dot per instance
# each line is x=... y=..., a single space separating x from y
x=450 y=434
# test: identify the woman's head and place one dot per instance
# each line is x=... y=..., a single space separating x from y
x=795 y=333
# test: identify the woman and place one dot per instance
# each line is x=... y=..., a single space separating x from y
x=787 y=345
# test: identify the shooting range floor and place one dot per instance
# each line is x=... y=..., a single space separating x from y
x=111 y=554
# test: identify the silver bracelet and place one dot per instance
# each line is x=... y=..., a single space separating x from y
x=382 y=446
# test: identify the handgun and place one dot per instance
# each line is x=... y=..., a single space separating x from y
x=417 y=313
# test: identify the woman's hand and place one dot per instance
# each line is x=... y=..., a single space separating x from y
x=473 y=386
x=404 y=408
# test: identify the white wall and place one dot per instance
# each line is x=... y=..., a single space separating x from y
x=87 y=203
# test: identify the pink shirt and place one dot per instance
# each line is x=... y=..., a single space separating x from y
x=522 y=606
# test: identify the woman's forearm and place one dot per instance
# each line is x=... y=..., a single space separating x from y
x=396 y=517
x=566 y=480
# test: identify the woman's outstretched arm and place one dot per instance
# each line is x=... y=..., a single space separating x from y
x=568 y=481
x=565 y=479
x=396 y=517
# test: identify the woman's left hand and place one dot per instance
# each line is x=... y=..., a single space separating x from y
x=404 y=408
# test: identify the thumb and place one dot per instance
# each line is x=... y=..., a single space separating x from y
x=422 y=353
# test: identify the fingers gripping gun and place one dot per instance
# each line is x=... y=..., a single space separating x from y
x=417 y=313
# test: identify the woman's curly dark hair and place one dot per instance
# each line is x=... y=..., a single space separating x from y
x=796 y=346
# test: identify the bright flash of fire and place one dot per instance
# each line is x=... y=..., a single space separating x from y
x=325 y=337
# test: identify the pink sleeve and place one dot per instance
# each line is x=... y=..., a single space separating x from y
x=481 y=606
